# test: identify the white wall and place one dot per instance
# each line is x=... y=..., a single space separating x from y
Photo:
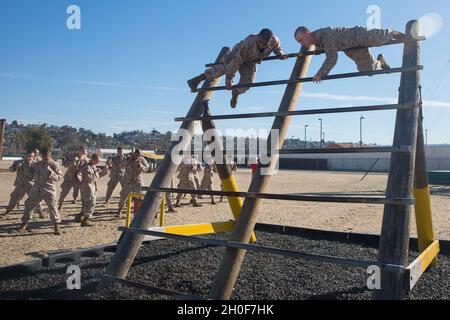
x=438 y=158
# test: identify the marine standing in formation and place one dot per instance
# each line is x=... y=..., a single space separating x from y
x=88 y=188
x=46 y=173
x=207 y=180
x=72 y=177
x=135 y=166
x=186 y=180
x=355 y=43
x=117 y=172
x=24 y=181
x=244 y=58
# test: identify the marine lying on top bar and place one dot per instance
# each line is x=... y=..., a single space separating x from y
x=353 y=41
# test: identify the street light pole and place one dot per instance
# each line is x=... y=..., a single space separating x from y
x=321 y=141
x=305 y=135
x=360 y=131
x=426 y=138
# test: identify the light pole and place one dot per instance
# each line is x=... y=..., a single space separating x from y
x=321 y=141
x=426 y=138
x=305 y=135
x=360 y=131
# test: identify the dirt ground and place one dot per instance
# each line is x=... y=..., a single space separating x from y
x=342 y=217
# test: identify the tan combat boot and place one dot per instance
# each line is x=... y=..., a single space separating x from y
x=57 y=230
x=196 y=204
x=78 y=217
x=194 y=82
x=234 y=100
x=86 y=223
x=22 y=229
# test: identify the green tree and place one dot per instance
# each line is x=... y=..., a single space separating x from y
x=36 y=138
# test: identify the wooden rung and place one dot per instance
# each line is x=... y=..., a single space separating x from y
x=310 y=79
x=355 y=198
x=317 y=52
x=300 y=112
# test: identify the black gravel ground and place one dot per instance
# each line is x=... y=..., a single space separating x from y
x=191 y=268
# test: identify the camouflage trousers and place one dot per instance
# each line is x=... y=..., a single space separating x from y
x=88 y=200
x=65 y=189
x=362 y=56
x=247 y=71
x=36 y=195
x=128 y=188
x=112 y=183
x=18 y=194
x=207 y=185
x=187 y=183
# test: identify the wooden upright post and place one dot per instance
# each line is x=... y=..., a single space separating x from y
x=131 y=242
x=2 y=136
x=225 y=172
x=231 y=263
x=394 y=240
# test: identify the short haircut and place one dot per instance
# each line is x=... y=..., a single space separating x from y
x=30 y=153
x=119 y=148
x=47 y=153
x=137 y=151
x=266 y=34
x=301 y=29
x=94 y=157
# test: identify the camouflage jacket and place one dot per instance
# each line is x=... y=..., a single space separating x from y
x=247 y=51
x=134 y=170
x=117 y=165
x=332 y=40
x=89 y=176
x=74 y=165
x=46 y=175
x=25 y=172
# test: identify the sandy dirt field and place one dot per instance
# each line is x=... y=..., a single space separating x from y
x=342 y=217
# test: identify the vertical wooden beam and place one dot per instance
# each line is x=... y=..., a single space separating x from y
x=130 y=243
x=423 y=212
x=225 y=171
x=394 y=240
x=2 y=136
x=232 y=261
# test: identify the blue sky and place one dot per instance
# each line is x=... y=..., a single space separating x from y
x=127 y=67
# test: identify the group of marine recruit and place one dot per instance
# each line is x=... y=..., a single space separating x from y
x=245 y=55
x=37 y=177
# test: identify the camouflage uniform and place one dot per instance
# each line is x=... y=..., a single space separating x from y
x=207 y=180
x=187 y=180
x=332 y=40
x=88 y=188
x=72 y=177
x=132 y=179
x=45 y=177
x=23 y=183
x=243 y=58
x=117 y=171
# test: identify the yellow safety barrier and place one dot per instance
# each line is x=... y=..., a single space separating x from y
x=425 y=233
x=186 y=230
